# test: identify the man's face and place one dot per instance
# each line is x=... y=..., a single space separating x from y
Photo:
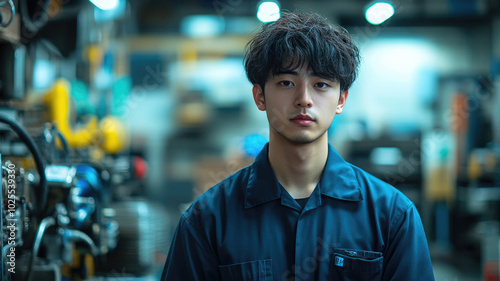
x=300 y=106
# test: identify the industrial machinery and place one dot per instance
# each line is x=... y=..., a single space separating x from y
x=69 y=207
x=69 y=196
x=55 y=214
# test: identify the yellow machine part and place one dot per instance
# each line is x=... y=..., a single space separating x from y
x=110 y=134
x=58 y=102
x=114 y=135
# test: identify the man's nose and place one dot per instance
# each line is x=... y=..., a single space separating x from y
x=303 y=98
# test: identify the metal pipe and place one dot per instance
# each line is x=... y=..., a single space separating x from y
x=73 y=233
x=46 y=223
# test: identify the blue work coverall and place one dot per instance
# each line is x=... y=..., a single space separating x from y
x=248 y=227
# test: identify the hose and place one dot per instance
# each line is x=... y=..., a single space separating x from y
x=30 y=144
x=63 y=141
x=34 y=26
x=46 y=223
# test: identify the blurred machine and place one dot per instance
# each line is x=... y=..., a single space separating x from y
x=69 y=207
x=55 y=212
x=66 y=206
x=70 y=204
x=396 y=161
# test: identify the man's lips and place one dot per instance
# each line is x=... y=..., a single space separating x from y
x=302 y=119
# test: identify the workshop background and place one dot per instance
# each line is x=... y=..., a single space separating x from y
x=116 y=114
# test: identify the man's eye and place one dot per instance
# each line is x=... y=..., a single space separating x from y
x=321 y=85
x=286 y=83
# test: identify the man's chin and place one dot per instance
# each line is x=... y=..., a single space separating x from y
x=303 y=139
x=299 y=138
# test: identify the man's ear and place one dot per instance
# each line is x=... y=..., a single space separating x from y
x=258 y=97
x=342 y=101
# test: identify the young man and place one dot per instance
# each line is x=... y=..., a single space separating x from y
x=300 y=212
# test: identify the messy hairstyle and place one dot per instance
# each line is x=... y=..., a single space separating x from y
x=297 y=39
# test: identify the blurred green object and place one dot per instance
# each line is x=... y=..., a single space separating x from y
x=121 y=93
x=79 y=92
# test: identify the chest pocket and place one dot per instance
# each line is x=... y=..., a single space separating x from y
x=259 y=270
x=356 y=265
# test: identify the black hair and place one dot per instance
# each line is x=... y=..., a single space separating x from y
x=299 y=38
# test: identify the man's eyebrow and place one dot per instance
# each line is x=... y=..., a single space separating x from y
x=291 y=72
x=310 y=74
x=295 y=73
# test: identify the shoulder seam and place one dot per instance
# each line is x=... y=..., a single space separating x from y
x=400 y=214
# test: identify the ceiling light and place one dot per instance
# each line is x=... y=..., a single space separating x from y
x=379 y=12
x=105 y=4
x=202 y=26
x=268 y=12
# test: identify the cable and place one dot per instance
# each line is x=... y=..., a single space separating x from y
x=34 y=26
x=12 y=10
x=28 y=141
x=63 y=141
x=55 y=132
x=46 y=222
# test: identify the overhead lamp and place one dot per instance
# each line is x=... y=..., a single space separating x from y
x=379 y=12
x=105 y=4
x=268 y=12
x=202 y=26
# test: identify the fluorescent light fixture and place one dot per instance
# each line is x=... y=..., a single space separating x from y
x=268 y=12
x=202 y=26
x=379 y=12
x=108 y=15
x=105 y=4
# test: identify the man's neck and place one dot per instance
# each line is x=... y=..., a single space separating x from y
x=298 y=167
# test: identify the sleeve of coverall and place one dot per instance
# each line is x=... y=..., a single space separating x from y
x=407 y=257
x=190 y=256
